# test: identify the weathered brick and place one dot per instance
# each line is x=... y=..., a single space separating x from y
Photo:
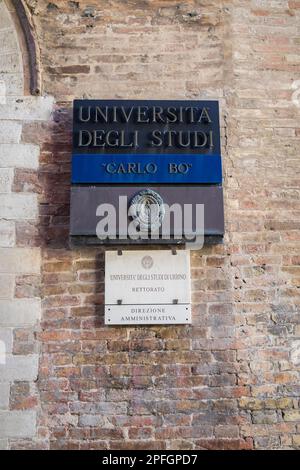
x=225 y=444
x=227 y=431
x=28 y=286
x=21 y=397
x=291 y=415
x=265 y=417
x=91 y=420
x=296 y=438
x=70 y=69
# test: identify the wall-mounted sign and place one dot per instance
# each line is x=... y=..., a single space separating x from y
x=132 y=141
x=147 y=287
x=137 y=162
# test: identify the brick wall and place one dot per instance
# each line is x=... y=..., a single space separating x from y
x=231 y=379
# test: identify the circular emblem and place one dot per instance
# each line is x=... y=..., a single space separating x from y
x=147 y=209
x=147 y=262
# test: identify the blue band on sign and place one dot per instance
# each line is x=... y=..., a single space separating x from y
x=146 y=168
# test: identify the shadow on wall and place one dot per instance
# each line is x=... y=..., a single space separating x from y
x=174 y=381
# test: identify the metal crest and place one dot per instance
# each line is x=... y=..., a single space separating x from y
x=147 y=209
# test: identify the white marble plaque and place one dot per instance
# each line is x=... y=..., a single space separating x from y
x=147 y=287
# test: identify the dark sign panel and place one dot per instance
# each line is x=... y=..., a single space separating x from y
x=85 y=200
x=134 y=162
x=146 y=142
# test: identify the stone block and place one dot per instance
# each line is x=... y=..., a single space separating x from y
x=4 y=395
x=19 y=312
x=18 y=206
x=6 y=336
x=17 y=424
x=19 y=156
x=5 y=20
x=3 y=444
x=10 y=131
x=7 y=233
x=20 y=260
x=6 y=179
x=7 y=285
x=14 y=84
x=8 y=41
x=10 y=62
x=19 y=368
x=27 y=108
